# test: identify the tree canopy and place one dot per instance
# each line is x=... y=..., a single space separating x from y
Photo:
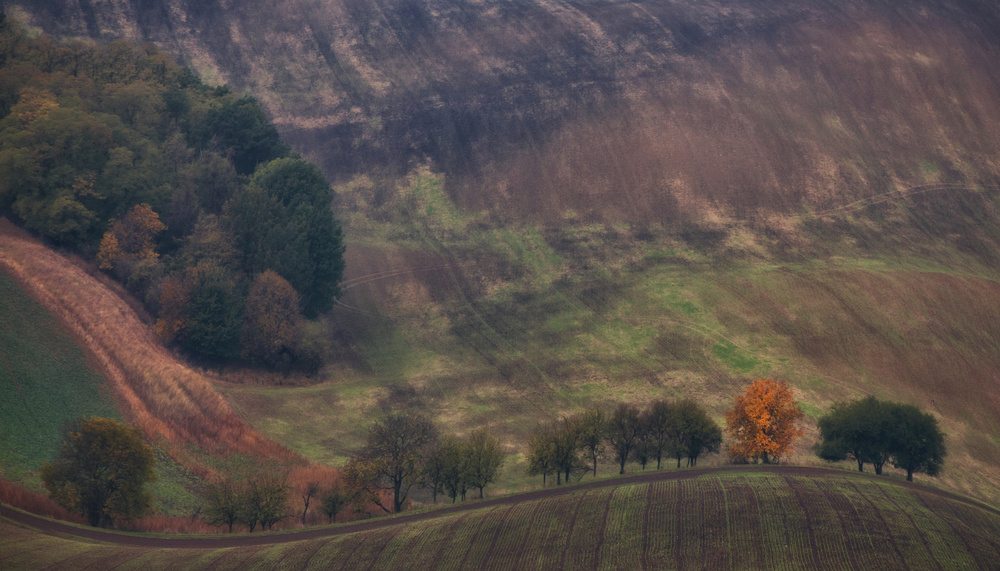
x=101 y=471
x=872 y=431
x=118 y=153
x=763 y=421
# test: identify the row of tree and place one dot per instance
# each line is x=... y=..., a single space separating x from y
x=183 y=192
x=405 y=450
x=575 y=444
x=875 y=432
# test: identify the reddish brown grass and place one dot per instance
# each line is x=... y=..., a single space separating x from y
x=167 y=399
x=22 y=498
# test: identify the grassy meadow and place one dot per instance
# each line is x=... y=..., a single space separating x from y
x=724 y=520
x=510 y=327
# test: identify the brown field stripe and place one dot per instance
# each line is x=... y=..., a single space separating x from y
x=816 y=562
x=885 y=525
x=569 y=532
x=644 y=559
x=678 y=552
x=313 y=547
x=459 y=522
x=527 y=536
x=843 y=527
x=496 y=536
x=913 y=524
x=961 y=536
x=483 y=523
x=603 y=529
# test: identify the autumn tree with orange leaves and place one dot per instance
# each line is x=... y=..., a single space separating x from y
x=763 y=422
x=131 y=237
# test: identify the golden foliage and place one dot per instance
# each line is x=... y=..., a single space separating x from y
x=131 y=237
x=763 y=421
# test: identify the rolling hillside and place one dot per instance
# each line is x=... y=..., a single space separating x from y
x=735 y=519
x=552 y=203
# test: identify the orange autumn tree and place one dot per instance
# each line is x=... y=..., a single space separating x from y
x=131 y=237
x=763 y=421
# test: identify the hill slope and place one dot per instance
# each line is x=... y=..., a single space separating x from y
x=629 y=200
x=743 y=519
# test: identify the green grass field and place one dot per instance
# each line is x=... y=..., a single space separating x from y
x=46 y=381
x=724 y=520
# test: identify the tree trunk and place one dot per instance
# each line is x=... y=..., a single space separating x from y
x=481 y=492
x=861 y=466
x=909 y=474
x=678 y=461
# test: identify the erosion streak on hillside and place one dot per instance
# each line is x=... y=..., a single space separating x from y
x=644 y=111
x=153 y=390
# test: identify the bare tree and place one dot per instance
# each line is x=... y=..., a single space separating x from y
x=310 y=490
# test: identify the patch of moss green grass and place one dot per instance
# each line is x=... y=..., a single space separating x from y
x=46 y=382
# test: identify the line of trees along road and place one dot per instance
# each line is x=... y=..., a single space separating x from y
x=103 y=465
x=575 y=444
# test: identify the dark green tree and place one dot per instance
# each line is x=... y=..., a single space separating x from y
x=859 y=429
x=700 y=434
x=283 y=222
x=917 y=444
x=214 y=314
x=240 y=126
x=101 y=471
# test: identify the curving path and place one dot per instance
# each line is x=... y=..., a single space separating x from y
x=54 y=527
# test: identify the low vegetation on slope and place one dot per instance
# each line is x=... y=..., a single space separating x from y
x=719 y=520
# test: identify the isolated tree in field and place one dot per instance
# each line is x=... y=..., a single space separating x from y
x=101 y=471
x=917 y=444
x=272 y=324
x=224 y=502
x=485 y=456
x=592 y=426
x=763 y=421
x=131 y=238
x=394 y=455
x=860 y=429
x=624 y=431
x=699 y=433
